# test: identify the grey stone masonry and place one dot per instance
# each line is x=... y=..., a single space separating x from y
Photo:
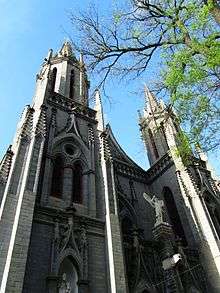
x=18 y=206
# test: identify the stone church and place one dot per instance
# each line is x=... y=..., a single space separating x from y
x=78 y=215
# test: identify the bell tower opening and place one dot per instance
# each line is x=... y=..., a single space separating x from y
x=53 y=79
x=72 y=82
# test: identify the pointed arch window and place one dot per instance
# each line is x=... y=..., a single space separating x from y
x=72 y=83
x=174 y=214
x=155 y=151
x=53 y=79
x=57 y=177
x=77 y=183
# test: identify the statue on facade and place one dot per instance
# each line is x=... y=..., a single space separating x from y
x=158 y=205
x=64 y=285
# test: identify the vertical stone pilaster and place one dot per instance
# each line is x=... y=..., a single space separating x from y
x=48 y=167
x=46 y=182
x=91 y=193
x=116 y=265
x=91 y=175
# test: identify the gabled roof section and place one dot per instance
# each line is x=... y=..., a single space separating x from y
x=117 y=152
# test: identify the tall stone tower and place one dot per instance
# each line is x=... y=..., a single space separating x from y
x=57 y=231
x=190 y=193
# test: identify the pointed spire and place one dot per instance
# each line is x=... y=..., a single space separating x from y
x=99 y=111
x=66 y=50
x=202 y=155
x=150 y=99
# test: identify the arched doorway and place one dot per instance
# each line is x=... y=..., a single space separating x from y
x=68 y=277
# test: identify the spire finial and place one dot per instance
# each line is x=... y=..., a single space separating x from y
x=81 y=58
x=66 y=49
x=99 y=110
x=150 y=99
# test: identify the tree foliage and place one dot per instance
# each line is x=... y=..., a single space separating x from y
x=186 y=35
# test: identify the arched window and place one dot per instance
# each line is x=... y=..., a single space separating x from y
x=57 y=177
x=53 y=79
x=153 y=144
x=77 y=183
x=174 y=215
x=72 y=81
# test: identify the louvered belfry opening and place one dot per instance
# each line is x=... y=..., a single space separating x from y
x=53 y=79
x=72 y=81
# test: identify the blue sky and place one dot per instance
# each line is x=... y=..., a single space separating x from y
x=28 y=30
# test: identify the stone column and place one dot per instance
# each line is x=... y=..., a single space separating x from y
x=163 y=233
x=89 y=192
x=67 y=184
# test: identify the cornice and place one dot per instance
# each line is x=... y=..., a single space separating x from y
x=69 y=105
x=159 y=168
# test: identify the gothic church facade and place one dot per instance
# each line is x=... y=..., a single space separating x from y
x=73 y=217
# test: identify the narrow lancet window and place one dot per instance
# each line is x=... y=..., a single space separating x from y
x=153 y=144
x=72 y=81
x=57 y=177
x=77 y=183
x=174 y=215
x=53 y=79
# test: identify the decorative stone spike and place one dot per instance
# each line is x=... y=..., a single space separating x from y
x=91 y=134
x=27 y=127
x=105 y=145
x=6 y=165
x=41 y=126
x=99 y=111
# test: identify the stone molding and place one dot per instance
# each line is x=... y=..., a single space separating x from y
x=68 y=104
x=159 y=168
